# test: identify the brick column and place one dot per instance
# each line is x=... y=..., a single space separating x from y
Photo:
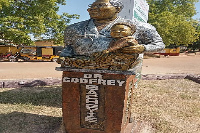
x=97 y=101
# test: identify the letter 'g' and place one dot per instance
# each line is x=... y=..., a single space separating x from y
x=66 y=79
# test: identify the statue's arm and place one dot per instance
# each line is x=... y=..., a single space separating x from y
x=149 y=38
x=70 y=35
x=69 y=40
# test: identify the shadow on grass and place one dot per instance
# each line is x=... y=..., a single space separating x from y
x=29 y=83
x=48 y=96
x=18 y=122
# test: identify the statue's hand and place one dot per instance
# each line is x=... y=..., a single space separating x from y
x=133 y=49
x=131 y=40
x=121 y=43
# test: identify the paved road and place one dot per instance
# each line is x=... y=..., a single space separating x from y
x=172 y=65
x=30 y=70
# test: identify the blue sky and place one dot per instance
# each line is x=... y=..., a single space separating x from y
x=80 y=7
x=76 y=7
x=197 y=16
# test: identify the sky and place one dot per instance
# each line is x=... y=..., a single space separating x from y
x=76 y=7
x=197 y=5
x=80 y=7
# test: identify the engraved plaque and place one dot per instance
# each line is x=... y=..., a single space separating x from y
x=92 y=106
x=128 y=104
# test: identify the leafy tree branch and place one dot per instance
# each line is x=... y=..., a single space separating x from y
x=20 y=18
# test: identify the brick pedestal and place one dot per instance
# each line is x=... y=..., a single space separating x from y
x=97 y=101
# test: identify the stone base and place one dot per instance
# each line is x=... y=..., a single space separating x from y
x=97 y=101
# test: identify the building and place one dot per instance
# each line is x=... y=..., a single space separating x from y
x=135 y=9
x=44 y=43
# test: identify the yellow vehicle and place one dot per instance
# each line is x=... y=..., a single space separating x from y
x=40 y=53
x=170 y=51
x=27 y=53
x=4 y=49
x=7 y=51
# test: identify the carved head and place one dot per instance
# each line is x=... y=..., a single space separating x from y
x=105 y=9
x=120 y=30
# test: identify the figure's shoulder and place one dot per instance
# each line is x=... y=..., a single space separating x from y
x=123 y=20
x=144 y=26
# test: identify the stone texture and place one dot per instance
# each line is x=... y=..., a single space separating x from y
x=163 y=77
x=29 y=82
x=195 y=78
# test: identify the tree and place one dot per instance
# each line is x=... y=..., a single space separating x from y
x=20 y=18
x=196 y=45
x=173 y=20
x=3 y=3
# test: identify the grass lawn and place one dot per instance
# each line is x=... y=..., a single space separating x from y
x=30 y=110
x=169 y=106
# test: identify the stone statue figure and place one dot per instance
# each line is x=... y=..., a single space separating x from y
x=90 y=43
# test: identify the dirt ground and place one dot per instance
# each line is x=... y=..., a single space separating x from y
x=165 y=65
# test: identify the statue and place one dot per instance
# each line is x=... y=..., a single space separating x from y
x=94 y=43
x=95 y=98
